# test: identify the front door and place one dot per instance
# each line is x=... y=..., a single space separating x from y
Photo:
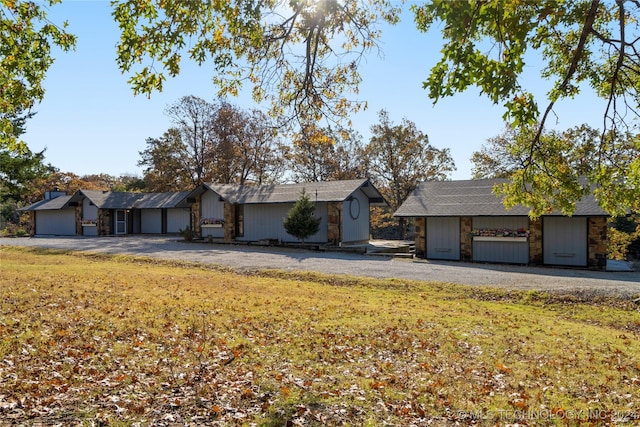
x=121 y=221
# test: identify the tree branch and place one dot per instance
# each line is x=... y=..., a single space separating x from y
x=619 y=64
x=586 y=30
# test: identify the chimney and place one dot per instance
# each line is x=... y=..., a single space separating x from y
x=52 y=194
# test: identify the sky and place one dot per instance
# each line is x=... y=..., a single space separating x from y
x=90 y=122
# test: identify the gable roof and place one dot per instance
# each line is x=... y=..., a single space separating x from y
x=333 y=191
x=473 y=198
x=112 y=200
x=160 y=200
x=108 y=199
x=56 y=203
x=124 y=200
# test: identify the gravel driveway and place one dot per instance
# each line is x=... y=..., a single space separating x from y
x=241 y=257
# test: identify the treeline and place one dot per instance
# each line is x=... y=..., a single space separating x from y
x=220 y=142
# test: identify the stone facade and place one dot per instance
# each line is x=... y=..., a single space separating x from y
x=229 y=211
x=32 y=223
x=466 y=238
x=79 y=220
x=104 y=222
x=535 y=242
x=196 y=215
x=421 y=237
x=334 y=229
x=597 y=239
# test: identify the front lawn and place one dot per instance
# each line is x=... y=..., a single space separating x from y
x=93 y=339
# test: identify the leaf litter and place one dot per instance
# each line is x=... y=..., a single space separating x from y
x=98 y=342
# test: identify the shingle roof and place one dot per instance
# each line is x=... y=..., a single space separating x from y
x=59 y=202
x=333 y=191
x=160 y=200
x=472 y=198
x=123 y=200
x=109 y=199
x=113 y=200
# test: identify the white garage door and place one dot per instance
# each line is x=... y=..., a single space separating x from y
x=443 y=238
x=151 y=221
x=565 y=241
x=58 y=223
x=178 y=219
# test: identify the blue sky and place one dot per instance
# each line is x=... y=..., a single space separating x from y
x=90 y=121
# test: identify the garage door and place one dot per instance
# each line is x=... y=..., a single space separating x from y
x=58 y=223
x=178 y=219
x=443 y=238
x=565 y=241
x=151 y=221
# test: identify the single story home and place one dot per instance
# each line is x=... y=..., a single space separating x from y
x=52 y=215
x=465 y=220
x=100 y=213
x=256 y=213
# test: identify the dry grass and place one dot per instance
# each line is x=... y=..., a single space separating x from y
x=98 y=340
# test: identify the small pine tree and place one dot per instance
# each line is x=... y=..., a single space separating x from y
x=300 y=221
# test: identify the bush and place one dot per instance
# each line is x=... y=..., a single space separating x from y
x=187 y=233
x=618 y=243
x=14 y=230
x=624 y=238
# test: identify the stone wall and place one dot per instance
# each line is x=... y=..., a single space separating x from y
x=32 y=223
x=535 y=242
x=597 y=238
x=104 y=222
x=466 y=238
x=421 y=237
x=334 y=229
x=196 y=215
x=79 y=219
x=229 y=211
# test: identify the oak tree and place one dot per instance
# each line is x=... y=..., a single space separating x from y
x=562 y=173
x=325 y=154
x=583 y=45
x=26 y=40
x=398 y=157
x=192 y=134
x=304 y=56
x=245 y=147
x=164 y=163
x=212 y=142
x=261 y=151
x=301 y=56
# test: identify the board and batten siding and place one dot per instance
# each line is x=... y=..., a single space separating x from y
x=503 y=251
x=355 y=218
x=151 y=221
x=60 y=222
x=443 y=238
x=212 y=207
x=89 y=211
x=564 y=241
x=262 y=222
x=178 y=219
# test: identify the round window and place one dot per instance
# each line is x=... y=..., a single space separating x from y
x=354 y=208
